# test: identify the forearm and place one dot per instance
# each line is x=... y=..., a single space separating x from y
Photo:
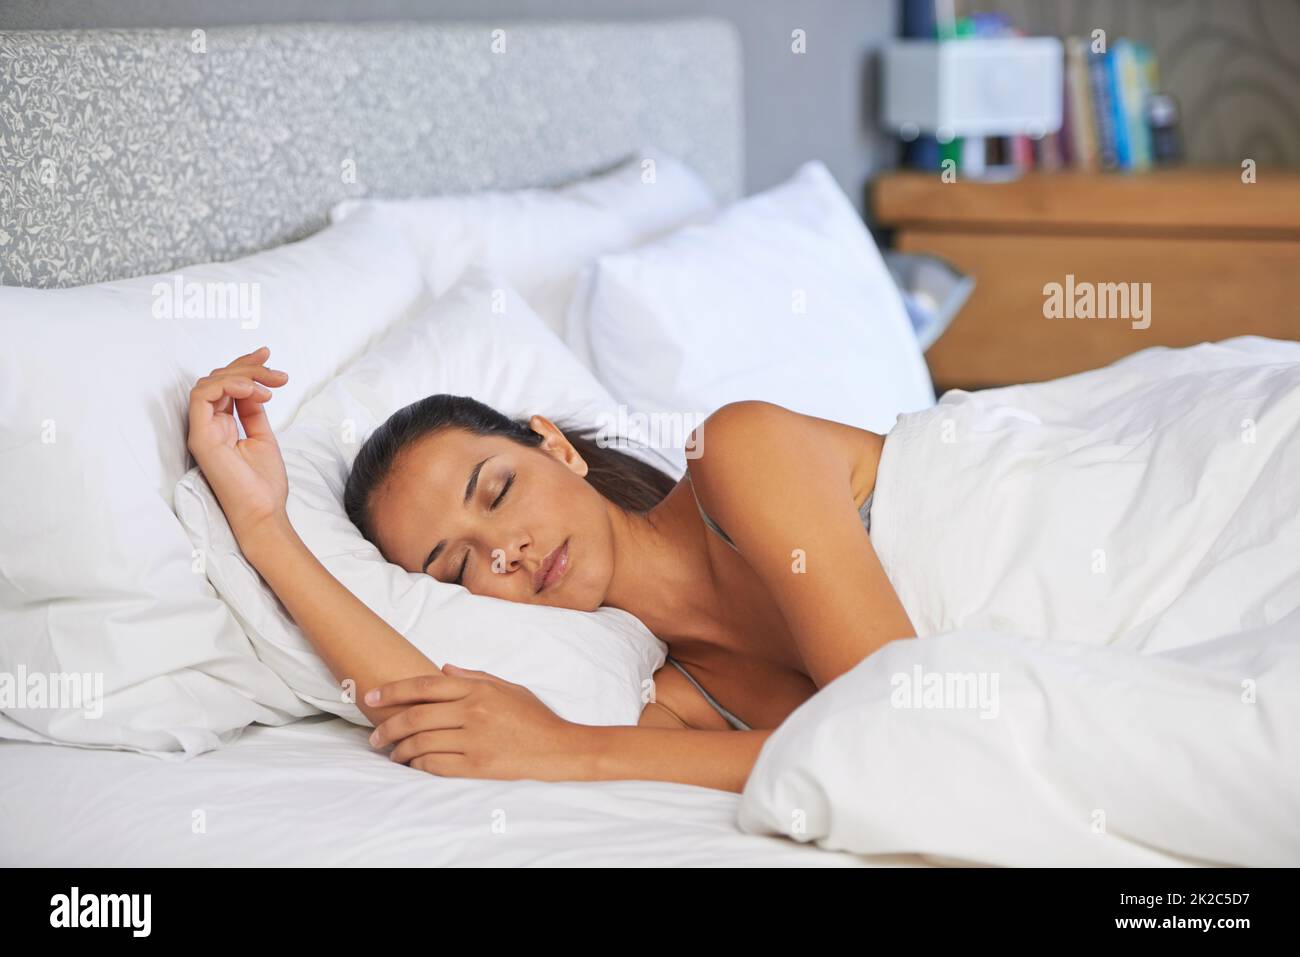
x=353 y=641
x=713 y=759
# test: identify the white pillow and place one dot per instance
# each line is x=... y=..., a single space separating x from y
x=783 y=297
x=97 y=576
x=537 y=240
x=480 y=340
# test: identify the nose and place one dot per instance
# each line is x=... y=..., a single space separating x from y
x=512 y=554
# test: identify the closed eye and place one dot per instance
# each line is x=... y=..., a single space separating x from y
x=505 y=488
x=460 y=575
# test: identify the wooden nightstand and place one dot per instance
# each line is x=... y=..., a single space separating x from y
x=1222 y=258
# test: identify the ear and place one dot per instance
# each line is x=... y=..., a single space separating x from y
x=554 y=443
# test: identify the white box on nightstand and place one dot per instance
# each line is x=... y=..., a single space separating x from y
x=973 y=87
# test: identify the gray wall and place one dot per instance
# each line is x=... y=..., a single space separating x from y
x=815 y=105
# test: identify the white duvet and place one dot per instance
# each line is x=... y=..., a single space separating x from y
x=1104 y=572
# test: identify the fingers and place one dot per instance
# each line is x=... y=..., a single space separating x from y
x=443 y=741
x=216 y=388
x=209 y=388
x=257 y=357
x=246 y=384
x=252 y=415
x=444 y=765
x=252 y=366
x=433 y=687
x=456 y=671
x=272 y=377
x=213 y=395
x=252 y=408
x=438 y=716
x=245 y=369
x=459 y=672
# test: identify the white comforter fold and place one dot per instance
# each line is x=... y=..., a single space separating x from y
x=1104 y=572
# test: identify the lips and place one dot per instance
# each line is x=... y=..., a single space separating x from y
x=552 y=568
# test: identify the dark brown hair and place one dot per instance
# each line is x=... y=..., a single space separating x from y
x=628 y=482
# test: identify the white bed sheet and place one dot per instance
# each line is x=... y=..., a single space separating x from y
x=314 y=793
x=1106 y=567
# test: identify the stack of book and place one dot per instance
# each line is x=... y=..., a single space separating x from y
x=1107 y=97
x=1111 y=97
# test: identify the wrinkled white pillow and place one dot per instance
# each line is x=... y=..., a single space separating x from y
x=97 y=576
x=782 y=297
x=480 y=340
x=537 y=240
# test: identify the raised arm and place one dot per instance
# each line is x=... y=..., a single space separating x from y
x=248 y=477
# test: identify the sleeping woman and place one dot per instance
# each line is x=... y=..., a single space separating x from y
x=756 y=570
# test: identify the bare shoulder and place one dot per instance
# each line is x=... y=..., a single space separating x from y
x=784 y=486
x=733 y=444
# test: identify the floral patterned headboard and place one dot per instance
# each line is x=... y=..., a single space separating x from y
x=126 y=152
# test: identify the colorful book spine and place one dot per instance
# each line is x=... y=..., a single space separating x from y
x=1115 y=107
x=1080 y=125
x=1133 y=136
x=1099 y=83
x=1148 y=59
x=1145 y=76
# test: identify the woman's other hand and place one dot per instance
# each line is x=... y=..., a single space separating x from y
x=247 y=475
x=472 y=724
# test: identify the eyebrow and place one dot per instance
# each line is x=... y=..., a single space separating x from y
x=470 y=487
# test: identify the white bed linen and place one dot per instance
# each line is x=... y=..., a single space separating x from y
x=314 y=793
x=538 y=239
x=1120 y=551
x=97 y=575
x=782 y=297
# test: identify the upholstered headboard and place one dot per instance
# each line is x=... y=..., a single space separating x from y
x=126 y=152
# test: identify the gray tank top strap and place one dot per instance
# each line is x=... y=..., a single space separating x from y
x=864 y=513
x=731 y=719
x=717 y=529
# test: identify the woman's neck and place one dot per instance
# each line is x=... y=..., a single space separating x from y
x=662 y=573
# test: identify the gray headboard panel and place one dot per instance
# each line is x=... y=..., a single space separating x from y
x=125 y=152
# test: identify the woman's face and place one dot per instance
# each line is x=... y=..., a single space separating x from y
x=493 y=515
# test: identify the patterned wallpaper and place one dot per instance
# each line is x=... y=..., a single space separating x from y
x=127 y=153
x=1233 y=65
